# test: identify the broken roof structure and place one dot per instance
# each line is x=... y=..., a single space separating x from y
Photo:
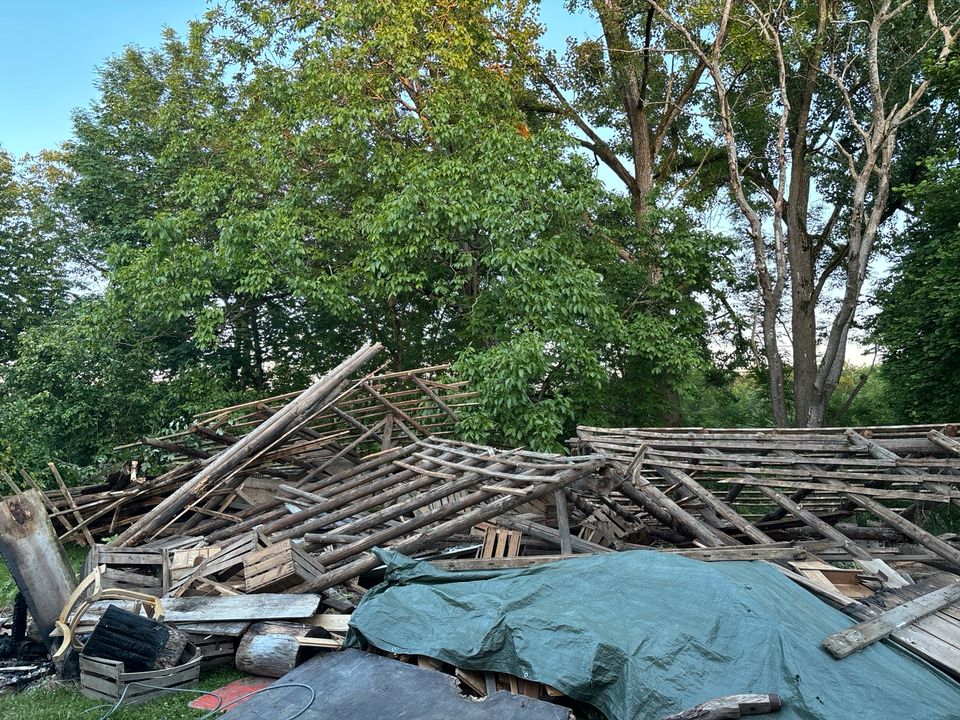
x=291 y=496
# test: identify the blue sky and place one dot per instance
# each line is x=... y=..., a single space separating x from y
x=50 y=49
x=49 y=52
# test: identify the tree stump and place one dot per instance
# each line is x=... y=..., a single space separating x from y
x=36 y=559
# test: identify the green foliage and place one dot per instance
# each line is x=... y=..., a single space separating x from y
x=87 y=380
x=34 y=275
x=738 y=399
x=286 y=182
x=273 y=190
x=727 y=400
x=919 y=322
x=871 y=403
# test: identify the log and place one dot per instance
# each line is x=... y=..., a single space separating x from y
x=36 y=559
x=731 y=706
x=272 y=649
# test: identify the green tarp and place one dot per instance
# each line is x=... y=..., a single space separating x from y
x=643 y=634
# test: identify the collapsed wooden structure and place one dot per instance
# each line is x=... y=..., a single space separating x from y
x=346 y=415
x=289 y=494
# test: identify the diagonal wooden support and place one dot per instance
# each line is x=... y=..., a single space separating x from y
x=881 y=453
x=712 y=501
x=654 y=501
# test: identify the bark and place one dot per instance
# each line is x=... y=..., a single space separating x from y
x=799 y=243
x=782 y=242
x=621 y=52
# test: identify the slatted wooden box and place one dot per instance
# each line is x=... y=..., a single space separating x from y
x=278 y=567
x=136 y=569
x=103 y=679
x=215 y=650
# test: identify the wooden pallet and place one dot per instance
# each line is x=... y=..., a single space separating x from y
x=499 y=542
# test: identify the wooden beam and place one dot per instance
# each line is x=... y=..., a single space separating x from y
x=549 y=534
x=944 y=441
x=912 y=531
x=73 y=506
x=846 y=642
x=711 y=501
x=811 y=520
x=655 y=502
x=563 y=521
x=436 y=398
x=731 y=706
x=397 y=412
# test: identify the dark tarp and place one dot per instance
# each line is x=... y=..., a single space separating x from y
x=644 y=634
x=354 y=685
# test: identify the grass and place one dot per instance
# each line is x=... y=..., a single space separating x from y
x=8 y=588
x=66 y=703
x=50 y=701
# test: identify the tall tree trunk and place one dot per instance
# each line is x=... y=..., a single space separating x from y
x=800 y=247
x=778 y=393
x=633 y=89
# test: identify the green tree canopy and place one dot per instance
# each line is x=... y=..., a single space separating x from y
x=919 y=322
x=35 y=276
x=289 y=181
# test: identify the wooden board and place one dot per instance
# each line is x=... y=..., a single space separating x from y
x=273 y=606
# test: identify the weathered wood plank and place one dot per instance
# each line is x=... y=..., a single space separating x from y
x=849 y=641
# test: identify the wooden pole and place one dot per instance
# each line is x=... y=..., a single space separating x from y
x=36 y=559
x=711 y=501
x=563 y=522
x=71 y=504
x=445 y=529
x=650 y=498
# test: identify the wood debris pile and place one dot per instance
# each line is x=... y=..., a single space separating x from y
x=257 y=541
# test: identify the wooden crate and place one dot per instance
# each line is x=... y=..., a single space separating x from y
x=215 y=650
x=278 y=567
x=136 y=569
x=178 y=564
x=103 y=679
x=224 y=567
